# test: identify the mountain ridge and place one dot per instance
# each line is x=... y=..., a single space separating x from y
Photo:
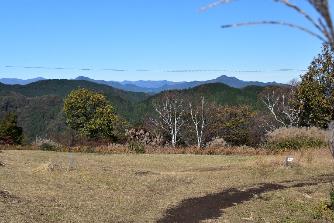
x=17 y=81
x=153 y=87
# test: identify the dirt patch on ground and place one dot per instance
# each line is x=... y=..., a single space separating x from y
x=7 y=197
x=211 y=206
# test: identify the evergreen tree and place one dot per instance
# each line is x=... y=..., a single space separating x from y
x=10 y=133
x=315 y=94
x=91 y=114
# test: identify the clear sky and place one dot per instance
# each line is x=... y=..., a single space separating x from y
x=144 y=39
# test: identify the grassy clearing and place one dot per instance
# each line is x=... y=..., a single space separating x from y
x=38 y=186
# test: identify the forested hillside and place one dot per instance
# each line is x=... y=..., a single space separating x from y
x=64 y=87
x=39 y=105
x=213 y=93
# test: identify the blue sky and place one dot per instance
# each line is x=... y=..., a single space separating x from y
x=144 y=39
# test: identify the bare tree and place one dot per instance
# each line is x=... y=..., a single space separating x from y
x=199 y=121
x=323 y=24
x=170 y=117
x=278 y=103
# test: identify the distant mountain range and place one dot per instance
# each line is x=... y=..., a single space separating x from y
x=13 y=81
x=153 y=86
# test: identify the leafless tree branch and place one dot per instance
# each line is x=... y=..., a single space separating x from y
x=324 y=23
x=279 y=107
x=300 y=11
x=170 y=117
x=282 y=23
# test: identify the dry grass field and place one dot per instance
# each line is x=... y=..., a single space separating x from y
x=37 y=186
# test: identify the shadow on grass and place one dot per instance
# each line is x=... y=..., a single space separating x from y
x=211 y=206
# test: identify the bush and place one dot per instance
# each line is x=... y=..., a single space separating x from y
x=136 y=147
x=331 y=197
x=139 y=135
x=217 y=143
x=332 y=200
x=296 y=138
x=46 y=144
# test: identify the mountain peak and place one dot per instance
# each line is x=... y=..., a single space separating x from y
x=83 y=78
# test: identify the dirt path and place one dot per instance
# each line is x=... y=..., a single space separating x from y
x=211 y=206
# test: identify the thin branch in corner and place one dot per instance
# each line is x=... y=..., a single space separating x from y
x=302 y=12
x=281 y=23
x=324 y=23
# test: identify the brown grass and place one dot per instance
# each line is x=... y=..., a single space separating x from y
x=121 y=149
x=292 y=132
x=43 y=187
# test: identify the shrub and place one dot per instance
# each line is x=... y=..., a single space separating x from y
x=136 y=147
x=139 y=135
x=46 y=144
x=321 y=211
x=217 y=143
x=296 y=138
x=331 y=197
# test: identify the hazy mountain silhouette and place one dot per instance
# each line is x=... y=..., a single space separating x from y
x=13 y=81
x=149 y=86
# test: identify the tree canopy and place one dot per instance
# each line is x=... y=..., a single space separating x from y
x=10 y=133
x=90 y=113
x=315 y=93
